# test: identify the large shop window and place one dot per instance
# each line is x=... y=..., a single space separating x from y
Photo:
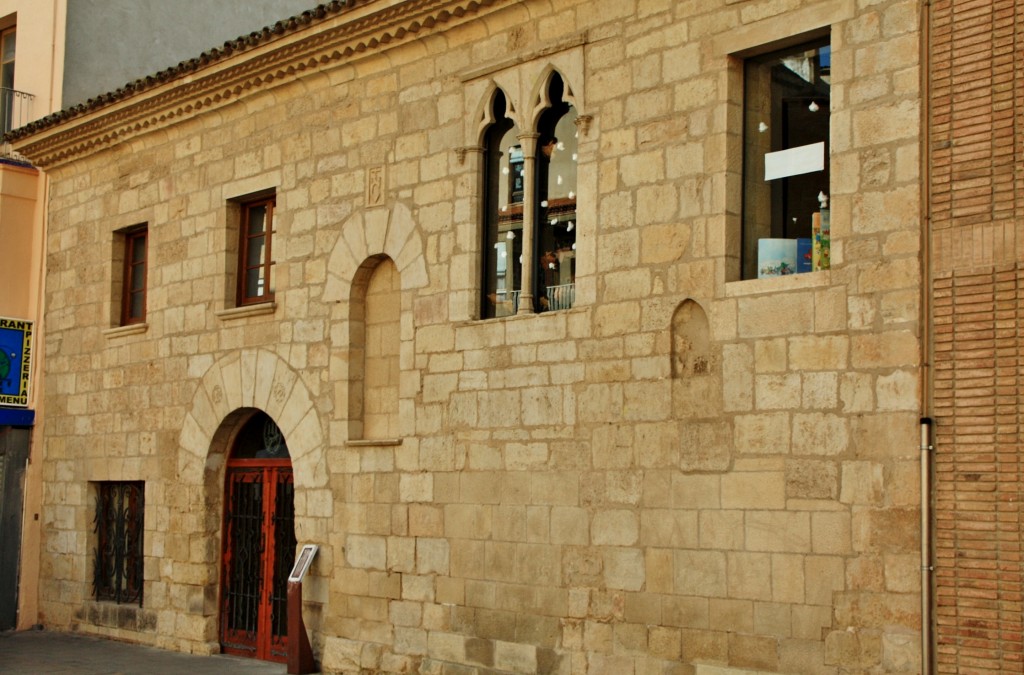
x=255 y=259
x=117 y=558
x=529 y=229
x=133 y=289
x=786 y=158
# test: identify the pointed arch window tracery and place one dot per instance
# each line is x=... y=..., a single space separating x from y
x=529 y=206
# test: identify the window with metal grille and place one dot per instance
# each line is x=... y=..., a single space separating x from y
x=118 y=524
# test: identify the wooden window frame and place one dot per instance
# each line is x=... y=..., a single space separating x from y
x=245 y=241
x=8 y=98
x=133 y=269
x=4 y=36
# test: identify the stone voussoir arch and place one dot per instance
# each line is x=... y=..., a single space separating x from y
x=260 y=379
x=366 y=234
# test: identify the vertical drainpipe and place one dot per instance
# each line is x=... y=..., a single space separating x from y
x=927 y=423
x=926 y=546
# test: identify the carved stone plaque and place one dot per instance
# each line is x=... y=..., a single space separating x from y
x=375 y=185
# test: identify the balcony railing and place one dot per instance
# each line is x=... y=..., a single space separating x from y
x=562 y=296
x=15 y=108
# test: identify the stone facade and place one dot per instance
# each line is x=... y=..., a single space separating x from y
x=683 y=473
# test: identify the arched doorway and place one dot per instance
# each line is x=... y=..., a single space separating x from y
x=259 y=542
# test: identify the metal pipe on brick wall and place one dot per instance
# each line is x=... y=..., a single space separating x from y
x=926 y=565
x=926 y=336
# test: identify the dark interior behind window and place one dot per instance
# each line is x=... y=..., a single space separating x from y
x=786 y=108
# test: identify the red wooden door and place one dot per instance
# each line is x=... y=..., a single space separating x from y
x=259 y=550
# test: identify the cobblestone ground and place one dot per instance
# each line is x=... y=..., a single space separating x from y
x=38 y=652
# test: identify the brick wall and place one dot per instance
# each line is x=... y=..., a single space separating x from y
x=975 y=127
x=978 y=472
x=976 y=186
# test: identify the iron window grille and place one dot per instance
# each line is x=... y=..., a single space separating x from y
x=118 y=524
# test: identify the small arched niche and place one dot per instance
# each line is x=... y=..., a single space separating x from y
x=375 y=338
x=691 y=341
x=705 y=433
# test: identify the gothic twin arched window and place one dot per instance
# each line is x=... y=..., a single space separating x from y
x=529 y=223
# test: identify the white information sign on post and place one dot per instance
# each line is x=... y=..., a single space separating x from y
x=302 y=562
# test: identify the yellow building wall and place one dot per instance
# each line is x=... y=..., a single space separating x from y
x=39 y=66
x=39 y=61
x=22 y=240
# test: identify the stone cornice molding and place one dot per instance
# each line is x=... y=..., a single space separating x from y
x=227 y=77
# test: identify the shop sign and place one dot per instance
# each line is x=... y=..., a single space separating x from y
x=15 y=361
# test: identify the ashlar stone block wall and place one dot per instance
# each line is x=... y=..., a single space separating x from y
x=683 y=473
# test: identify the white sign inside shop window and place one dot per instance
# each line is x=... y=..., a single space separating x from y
x=794 y=161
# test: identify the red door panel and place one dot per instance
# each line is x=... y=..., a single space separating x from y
x=259 y=549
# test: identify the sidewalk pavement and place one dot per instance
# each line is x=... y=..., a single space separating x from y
x=38 y=652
